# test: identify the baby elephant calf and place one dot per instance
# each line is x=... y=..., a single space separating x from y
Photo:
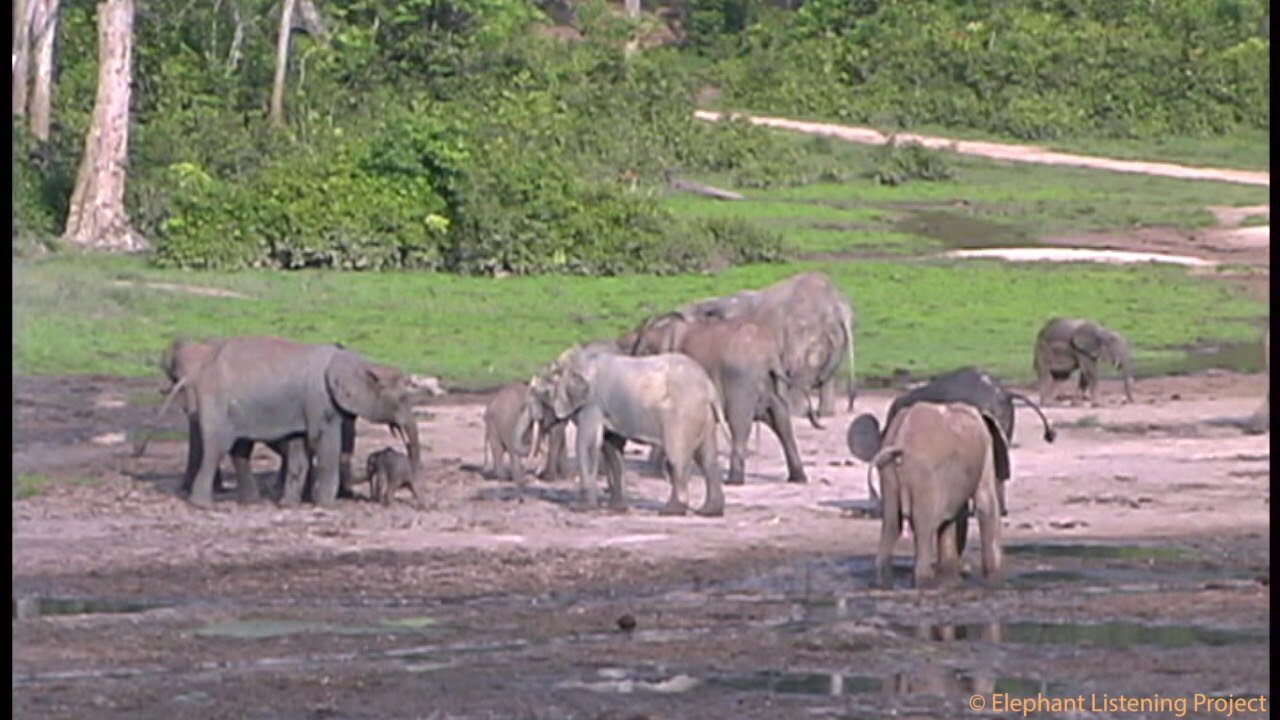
x=512 y=422
x=388 y=470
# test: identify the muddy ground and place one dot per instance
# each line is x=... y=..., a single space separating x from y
x=1137 y=564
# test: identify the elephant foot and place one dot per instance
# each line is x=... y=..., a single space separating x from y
x=619 y=508
x=674 y=508
x=202 y=501
x=347 y=494
x=288 y=502
x=709 y=510
x=735 y=481
x=798 y=478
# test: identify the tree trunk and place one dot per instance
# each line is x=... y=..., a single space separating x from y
x=276 y=114
x=44 y=28
x=633 y=9
x=96 y=218
x=22 y=10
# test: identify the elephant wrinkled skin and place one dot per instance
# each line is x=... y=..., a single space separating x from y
x=934 y=460
x=265 y=388
x=1064 y=345
x=744 y=361
x=665 y=400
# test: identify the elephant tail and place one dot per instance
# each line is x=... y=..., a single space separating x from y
x=173 y=392
x=1049 y=433
x=883 y=457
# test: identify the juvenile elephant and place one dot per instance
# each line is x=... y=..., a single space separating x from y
x=967 y=385
x=934 y=460
x=1067 y=344
x=744 y=360
x=389 y=470
x=266 y=388
x=812 y=320
x=1260 y=421
x=665 y=400
x=512 y=421
x=556 y=457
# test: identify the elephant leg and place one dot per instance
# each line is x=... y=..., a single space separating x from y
x=493 y=453
x=346 y=478
x=961 y=522
x=213 y=445
x=554 y=466
x=328 y=451
x=246 y=484
x=890 y=527
x=779 y=421
x=657 y=460
x=611 y=451
x=827 y=398
x=1088 y=379
x=713 y=506
x=925 y=531
x=193 y=456
x=739 y=423
x=590 y=437
x=294 y=469
x=948 y=557
x=1044 y=384
x=678 y=474
x=989 y=527
x=516 y=468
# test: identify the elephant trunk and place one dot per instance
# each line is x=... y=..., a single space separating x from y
x=526 y=426
x=407 y=426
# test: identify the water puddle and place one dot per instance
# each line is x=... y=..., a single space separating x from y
x=1097 y=551
x=1110 y=634
x=960 y=231
x=260 y=628
x=928 y=680
x=33 y=607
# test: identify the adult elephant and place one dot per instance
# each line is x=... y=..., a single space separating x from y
x=181 y=362
x=1064 y=345
x=665 y=400
x=553 y=432
x=812 y=320
x=967 y=385
x=934 y=460
x=743 y=358
x=267 y=388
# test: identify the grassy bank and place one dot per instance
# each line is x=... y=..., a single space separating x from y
x=106 y=315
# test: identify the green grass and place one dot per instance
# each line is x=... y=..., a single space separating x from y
x=29 y=486
x=477 y=332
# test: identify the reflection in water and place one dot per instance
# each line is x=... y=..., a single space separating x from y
x=1114 y=634
x=925 y=680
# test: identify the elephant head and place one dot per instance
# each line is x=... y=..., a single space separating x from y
x=377 y=393
x=530 y=421
x=572 y=390
x=1108 y=346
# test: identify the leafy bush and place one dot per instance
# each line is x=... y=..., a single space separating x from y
x=898 y=163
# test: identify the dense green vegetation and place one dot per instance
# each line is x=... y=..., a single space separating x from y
x=454 y=135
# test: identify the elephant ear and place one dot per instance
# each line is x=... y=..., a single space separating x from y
x=863 y=437
x=358 y=387
x=1087 y=340
x=570 y=395
x=999 y=447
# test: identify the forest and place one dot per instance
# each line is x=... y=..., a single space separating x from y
x=504 y=136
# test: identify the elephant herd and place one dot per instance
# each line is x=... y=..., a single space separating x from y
x=677 y=382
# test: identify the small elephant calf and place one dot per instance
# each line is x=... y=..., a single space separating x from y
x=389 y=470
x=512 y=421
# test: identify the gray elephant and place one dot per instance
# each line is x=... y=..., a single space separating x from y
x=389 y=470
x=934 y=460
x=267 y=388
x=665 y=400
x=512 y=420
x=1064 y=345
x=743 y=358
x=813 y=322
x=967 y=385
x=556 y=455
x=180 y=363
x=1260 y=421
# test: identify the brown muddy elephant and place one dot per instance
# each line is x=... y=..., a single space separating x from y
x=743 y=358
x=513 y=419
x=388 y=470
x=665 y=400
x=556 y=454
x=812 y=320
x=935 y=458
x=1064 y=345
x=267 y=388
x=180 y=363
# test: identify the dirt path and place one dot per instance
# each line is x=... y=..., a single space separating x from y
x=1004 y=151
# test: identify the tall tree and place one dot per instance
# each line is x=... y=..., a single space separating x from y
x=97 y=218
x=275 y=115
x=44 y=26
x=22 y=10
